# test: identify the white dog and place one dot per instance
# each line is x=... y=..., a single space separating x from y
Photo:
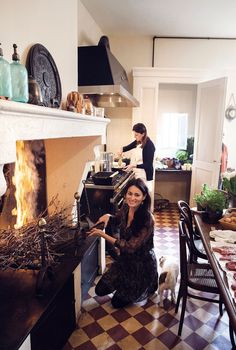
x=168 y=277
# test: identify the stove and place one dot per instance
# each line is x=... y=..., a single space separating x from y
x=97 y=200
x=118 y=180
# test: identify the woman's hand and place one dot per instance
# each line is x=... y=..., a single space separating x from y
x=99 y=233
x=95 y=232
x=129 y=167
x=105 y=218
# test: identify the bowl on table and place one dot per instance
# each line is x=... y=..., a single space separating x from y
x=228 y=221
x=124 y=160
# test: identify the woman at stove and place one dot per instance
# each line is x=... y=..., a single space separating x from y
x=133 y=276
x=142 y=155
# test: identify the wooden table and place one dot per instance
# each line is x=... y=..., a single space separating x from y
x=220 y=275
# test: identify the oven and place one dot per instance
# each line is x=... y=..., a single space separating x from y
x=97 y=200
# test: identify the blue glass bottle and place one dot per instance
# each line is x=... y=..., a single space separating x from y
x=5 y=77
x=19 y=79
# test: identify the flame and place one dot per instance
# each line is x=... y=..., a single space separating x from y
x=26 y=182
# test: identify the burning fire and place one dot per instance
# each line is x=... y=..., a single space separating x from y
x=26 y=181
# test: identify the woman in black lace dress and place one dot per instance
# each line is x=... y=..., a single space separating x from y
x=133 y=276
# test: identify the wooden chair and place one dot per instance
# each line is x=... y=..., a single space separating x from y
x=196 y=249
x=198 y=277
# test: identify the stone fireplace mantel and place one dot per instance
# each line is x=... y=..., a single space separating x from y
x=21 y=121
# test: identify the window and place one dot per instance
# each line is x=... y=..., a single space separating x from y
x=173 y=133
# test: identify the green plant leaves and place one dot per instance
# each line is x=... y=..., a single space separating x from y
x=182 y=155
x=229 y=185
x=212 y=199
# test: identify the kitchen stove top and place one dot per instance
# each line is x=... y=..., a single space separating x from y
x=118 y=181
x=97 y=200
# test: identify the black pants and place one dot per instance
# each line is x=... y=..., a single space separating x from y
x=117 y=301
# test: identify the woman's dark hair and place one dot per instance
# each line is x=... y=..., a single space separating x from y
x=140 y=128
x=139 y=183
x=143 y=212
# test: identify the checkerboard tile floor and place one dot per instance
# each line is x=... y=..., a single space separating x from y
x=151 y=327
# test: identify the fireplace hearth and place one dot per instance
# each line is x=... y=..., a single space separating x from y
x=41 y=244
x=69 y=139
x=23 y=314
x=40 y=298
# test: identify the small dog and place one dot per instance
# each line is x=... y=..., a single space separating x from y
x=168 y=277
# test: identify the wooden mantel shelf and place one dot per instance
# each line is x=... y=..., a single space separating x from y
x=22 y=121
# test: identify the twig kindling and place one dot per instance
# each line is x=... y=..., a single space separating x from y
x=21 y=248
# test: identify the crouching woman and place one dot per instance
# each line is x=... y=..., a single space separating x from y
x=133 y=275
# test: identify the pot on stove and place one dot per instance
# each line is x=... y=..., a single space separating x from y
x=106 y=161
x=105 y=177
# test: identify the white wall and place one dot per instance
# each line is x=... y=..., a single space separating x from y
x=89 y=32
x=50 y=23
x=119 y=131
x=210 y=54
x=131 y=51
x=197 y=54
x=177 y=98
x=59 y=25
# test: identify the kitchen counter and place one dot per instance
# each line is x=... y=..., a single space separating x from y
x=21 y=311
x=173 y=170
x=173 y=184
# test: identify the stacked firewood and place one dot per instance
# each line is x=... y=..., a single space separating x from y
x=22 y=248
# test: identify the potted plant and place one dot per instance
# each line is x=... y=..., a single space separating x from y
x=229 y=185
x=182 y=156
x=212 y=202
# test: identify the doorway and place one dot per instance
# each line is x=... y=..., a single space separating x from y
x=146 y=86
x=175 y=126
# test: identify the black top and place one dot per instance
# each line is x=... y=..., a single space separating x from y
x=134 y=273
x=148 y=156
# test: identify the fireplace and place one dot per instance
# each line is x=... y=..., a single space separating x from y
x=69 y=140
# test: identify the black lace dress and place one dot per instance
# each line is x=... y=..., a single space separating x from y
x=134 y=273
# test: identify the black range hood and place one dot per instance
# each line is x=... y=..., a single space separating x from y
x=102 y=77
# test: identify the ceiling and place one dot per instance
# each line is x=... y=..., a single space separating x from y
x=181 y=18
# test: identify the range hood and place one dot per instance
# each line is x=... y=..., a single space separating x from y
x=102 y=77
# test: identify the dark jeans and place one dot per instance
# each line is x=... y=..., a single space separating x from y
x=117 y=301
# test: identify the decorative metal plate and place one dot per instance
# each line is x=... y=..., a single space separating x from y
x=43 y=69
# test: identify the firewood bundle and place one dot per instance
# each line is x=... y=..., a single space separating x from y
x=22 y=248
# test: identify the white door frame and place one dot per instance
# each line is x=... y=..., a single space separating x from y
x=210 y=109
x=148 y=79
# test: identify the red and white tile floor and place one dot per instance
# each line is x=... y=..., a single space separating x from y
x=151 y=327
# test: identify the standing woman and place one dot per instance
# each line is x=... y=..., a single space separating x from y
x=143 y=154
x=133 y=275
